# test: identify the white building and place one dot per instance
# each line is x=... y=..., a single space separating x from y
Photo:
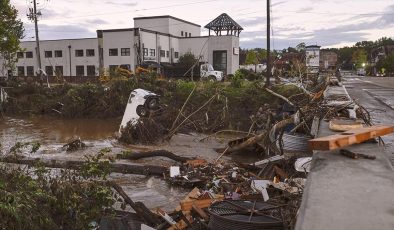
x=161 y=39
x=312 y=56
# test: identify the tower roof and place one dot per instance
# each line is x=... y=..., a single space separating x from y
x=224 y=23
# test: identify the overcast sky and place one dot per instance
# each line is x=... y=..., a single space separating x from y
x=330 y=23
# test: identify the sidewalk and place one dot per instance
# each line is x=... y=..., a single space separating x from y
x=343 y=193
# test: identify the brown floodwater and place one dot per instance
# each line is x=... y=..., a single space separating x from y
x=53 y=133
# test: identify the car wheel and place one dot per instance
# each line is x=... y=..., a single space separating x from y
x=142 y=111
x=212 y=78
x=152 y=103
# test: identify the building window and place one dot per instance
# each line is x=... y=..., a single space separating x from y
x=21 y=71
x=59 y=70
x=153 y=52
x=167 y=53
x=220 y=60
x=125 y=66
x=58 y=53
x=162 y=53
x=78 y=53
x=49 y=70
x=30 y=70
x=80 y=70
x=176 y=54
x=90 y=53
x=29 y=54
x=112 y=70
x=19 y=55
x=190 y=34
x=113 y=52
x=91 y=70
x=125 y=51
x=185 y=34
x=145 y=52
x=182 y=33
x=48 y=54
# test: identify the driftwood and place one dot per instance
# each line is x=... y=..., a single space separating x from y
x=280 y=96
x=141 y=210
x=74 y=164
x=250 y=141
x=155 y=153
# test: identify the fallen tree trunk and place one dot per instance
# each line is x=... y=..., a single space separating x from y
x=155 y=153
x=139 y=208
x=74 y=164
x=246 y=143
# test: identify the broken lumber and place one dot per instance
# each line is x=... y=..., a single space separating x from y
x=75 y=164
x=200 y=212
x=350 y=137
x=354 y=155
x=154 y=153
x=138 y=207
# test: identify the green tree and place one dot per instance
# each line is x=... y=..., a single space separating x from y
x=11 y=31
x=386 y=65
x=252 y=59
x=359 y=57
x=187 y=60
x=301 y=47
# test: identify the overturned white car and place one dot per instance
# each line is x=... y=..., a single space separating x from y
x=141 y=103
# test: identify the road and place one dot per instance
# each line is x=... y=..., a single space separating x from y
x=343 y=193
x=376 y=94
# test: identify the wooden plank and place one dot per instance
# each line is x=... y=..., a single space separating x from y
x=200 y=212
x=350 y=137
x=187 y=205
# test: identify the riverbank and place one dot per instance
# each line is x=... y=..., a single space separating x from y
x=234 y=102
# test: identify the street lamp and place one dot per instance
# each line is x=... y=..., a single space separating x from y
x=363 y=64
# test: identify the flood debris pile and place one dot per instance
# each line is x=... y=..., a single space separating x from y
x=265 y=193
x=74 y=145
x=268 y=192
x=203 y=107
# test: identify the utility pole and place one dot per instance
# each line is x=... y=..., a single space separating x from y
x=267 y=83
x=33 y=17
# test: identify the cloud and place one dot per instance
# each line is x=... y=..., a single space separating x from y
x=96 y=22
x=52 y=32
x=121 y=3
x=342 y=33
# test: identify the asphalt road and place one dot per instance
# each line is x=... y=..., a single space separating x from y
x=376 y=94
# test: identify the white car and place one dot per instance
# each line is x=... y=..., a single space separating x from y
x=208 y=73
x=361 y=72
x=141 y=103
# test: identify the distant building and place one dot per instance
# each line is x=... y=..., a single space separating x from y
x=161 y=39
x=312 y=58
x=328 y=60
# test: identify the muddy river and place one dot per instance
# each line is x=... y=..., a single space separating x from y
x=53 y=133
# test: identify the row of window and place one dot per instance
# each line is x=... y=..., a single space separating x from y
x=123 y=52
x=163 y=53
x=57 y=53
x=184 y=34
x=58 y=70
x=28 y=54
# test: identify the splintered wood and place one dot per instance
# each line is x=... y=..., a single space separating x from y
x=350 y=137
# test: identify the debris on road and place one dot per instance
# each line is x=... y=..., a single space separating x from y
x=350 y=137
x=354 y=155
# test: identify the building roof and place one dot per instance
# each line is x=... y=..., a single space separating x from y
x=167 y=16
x=224 y=23
x=313 y=46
